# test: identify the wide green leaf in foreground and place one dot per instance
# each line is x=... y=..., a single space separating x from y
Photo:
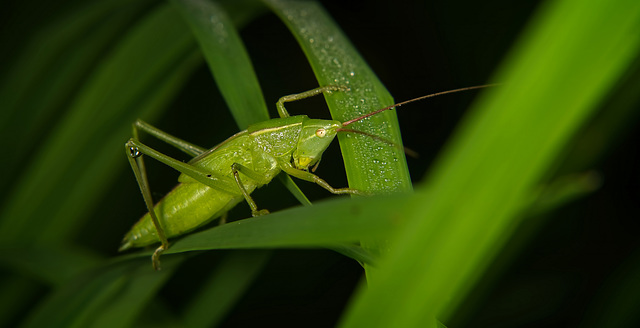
x=567 y=60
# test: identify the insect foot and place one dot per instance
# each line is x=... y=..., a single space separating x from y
x=260 y=212
x=353 y=192
x=155 y=258
x=342 y=88
x=361 y=192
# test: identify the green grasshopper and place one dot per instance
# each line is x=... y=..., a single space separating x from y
x=216 y=180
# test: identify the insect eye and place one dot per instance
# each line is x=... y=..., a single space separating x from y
x=321 y=132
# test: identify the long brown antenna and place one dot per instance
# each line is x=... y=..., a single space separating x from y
x=416 y=99
x=406 y=150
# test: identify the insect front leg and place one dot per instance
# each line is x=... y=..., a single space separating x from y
x=239 y=168
x=304 y=175
x=298 y=96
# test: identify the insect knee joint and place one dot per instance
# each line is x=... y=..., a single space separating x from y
x=134 y=152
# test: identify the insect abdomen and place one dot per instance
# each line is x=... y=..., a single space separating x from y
x=192 y=204
x=179 y=214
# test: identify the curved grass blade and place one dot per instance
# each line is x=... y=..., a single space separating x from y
x=566 y=63
x=357 y=253
x=370 y=165
x=227 y=58
x=315 y=226
x=230 y=65
x=321 y=225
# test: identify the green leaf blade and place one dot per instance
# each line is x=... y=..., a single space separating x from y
x=309 y=226
x=370 y=164
x=227 y=58
x=503 y=149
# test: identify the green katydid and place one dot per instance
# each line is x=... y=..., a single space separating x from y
x=217 y=179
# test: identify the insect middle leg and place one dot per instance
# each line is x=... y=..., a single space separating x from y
x=138 y=167
x=298 y=96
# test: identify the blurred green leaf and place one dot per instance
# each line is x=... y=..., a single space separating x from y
x=136 y=80
x=569 y=58
x=17 y=293
x=227 y=58
x=53 y=65
x=53 y=265
x=104 y=297
x=561 y=191
x=225 y=286
x=617 y=301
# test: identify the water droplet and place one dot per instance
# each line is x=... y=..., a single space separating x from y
x=352 y=73
x=312 y=40
x=134 y=152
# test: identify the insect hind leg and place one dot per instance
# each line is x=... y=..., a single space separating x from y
x=137 y=165
x=180 y=144
x=135 y=150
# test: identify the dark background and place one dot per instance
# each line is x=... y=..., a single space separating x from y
x=561 y=267
x=415 y=49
